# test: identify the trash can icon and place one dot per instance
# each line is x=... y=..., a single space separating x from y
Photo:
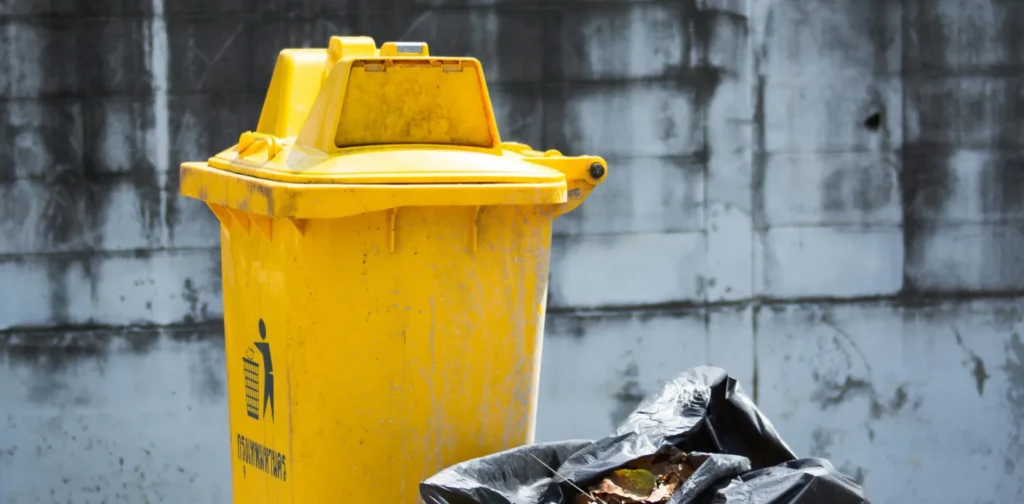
x=393 y=252
x=251 y=374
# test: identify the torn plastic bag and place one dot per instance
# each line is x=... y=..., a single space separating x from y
x=703 y=412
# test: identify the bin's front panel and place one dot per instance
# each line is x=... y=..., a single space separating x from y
x=420 y=346
x=402 y=342
x=254 y=267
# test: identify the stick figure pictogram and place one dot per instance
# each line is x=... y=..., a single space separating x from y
x=268 y=371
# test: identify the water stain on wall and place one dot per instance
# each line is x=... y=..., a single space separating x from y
x=52 y=360
x=973 y=363
x=838 y=385
x=56 y=361
x=926 y=177
x=1014 y=369
x=959 y=103
x=196 y=310
x=628 y=396
x=764 y=31
x=866 y=187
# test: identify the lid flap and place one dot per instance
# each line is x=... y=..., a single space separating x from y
x=415 y=101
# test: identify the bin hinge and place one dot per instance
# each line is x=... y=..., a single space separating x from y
x=251 y=143
x=384 y=64
x=451 y=65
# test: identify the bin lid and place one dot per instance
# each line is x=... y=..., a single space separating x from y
x=397 y=164
x=357 y=116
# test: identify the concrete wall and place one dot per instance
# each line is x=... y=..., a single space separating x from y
x=822 y=196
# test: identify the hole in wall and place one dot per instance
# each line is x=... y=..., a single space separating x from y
x=873 y=121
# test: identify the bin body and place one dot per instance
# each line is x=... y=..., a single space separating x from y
x=383 y=302
x=387 y=365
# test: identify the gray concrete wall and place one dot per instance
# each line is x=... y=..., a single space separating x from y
x=822 y=196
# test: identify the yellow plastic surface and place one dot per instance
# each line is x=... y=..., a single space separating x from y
x=416 y=101
x=384 y=303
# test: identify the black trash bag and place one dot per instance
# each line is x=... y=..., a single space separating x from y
x=520 y=475
x=711 y=468
x=803 y=481
x=702 y=412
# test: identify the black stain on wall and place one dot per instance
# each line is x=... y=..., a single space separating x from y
x=864 y=187
x=759 y=159
x=553 y=92
x=93 y=121
x=693 y=77
x=56 y=358
x=628 y=396
x=48 y=357
x=821 y=442
x=69 y=213
x=704 y=77
x=1002 y=187
x=1014 y=369
x=8 y=155
x=831 y=392
x=974 y=364
x=197 y=310
x=961 y=103
x=866 y=180
x=926 y=176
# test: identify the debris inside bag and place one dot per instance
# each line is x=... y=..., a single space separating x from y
x=648 y=480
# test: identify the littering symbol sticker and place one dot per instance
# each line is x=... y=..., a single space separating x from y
x=254 y=406
x=251 y=452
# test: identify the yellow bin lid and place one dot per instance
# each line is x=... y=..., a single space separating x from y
x=354 y=129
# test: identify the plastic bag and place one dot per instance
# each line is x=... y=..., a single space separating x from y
x=739 y=457
x=802 y=481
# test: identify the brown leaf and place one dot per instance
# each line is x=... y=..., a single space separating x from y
x=647 y=480
x=630 y=484
x=665 y=489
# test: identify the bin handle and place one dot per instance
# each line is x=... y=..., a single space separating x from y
x=582 y=173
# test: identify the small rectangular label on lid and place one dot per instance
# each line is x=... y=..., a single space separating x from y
x=409 y=47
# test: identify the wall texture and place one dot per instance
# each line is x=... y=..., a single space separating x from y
x=822 y=196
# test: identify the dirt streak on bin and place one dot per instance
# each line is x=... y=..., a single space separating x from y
x=388 y=254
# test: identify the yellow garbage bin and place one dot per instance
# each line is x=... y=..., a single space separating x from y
x=385 y=263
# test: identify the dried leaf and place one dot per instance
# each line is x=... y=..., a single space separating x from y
x=647 y=480
x=639 y=482
x=626 y=486
x=665 y=489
